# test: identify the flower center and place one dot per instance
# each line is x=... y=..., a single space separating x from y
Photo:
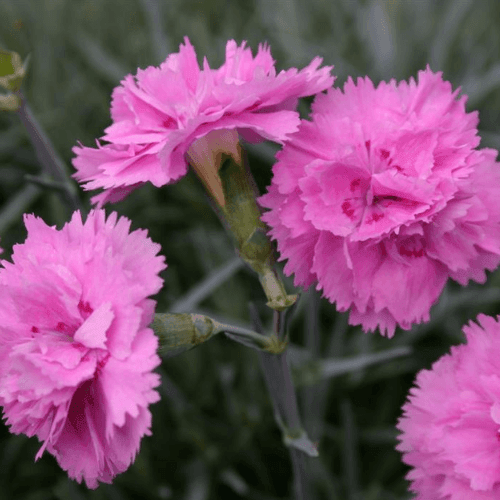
x=385 y=201
x=411 y=247
x=85 y=309
x=66 y=329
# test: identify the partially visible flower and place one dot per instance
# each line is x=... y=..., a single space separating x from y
x=451 y=421
x=383 y=197
x=76 y=352
x=159 y=113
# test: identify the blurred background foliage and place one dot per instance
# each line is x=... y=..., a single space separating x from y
x=214 y=435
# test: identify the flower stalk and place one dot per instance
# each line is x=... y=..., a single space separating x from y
x=278 y=378
x=219 y=162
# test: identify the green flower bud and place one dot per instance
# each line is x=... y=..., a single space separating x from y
x=12 y=70
x=180 y=332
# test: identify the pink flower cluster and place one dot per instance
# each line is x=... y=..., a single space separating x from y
x=451 y=422
x=378 y=200
x=159 y=113
x=76 y=353
x=383 y=196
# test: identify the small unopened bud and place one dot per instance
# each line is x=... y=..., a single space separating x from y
x=12 y=70
x=179 y=332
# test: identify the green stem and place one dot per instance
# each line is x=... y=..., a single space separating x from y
x=279 y=383
x=49 y=159
x=247 y=337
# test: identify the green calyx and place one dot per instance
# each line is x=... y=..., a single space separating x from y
x=242 y=215
x=180 y=332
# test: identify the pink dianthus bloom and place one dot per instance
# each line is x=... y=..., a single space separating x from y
x=451 y=421
x=161 y=111
x=76 y=353
x=383 y=196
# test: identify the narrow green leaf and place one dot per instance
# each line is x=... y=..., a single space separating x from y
x=201 y=291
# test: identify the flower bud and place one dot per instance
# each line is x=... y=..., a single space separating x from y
x=180 y=332
x=12 y=70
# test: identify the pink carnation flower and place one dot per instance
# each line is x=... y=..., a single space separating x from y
x=76 y=353
x=383 y=196
x=451 y=421
x=161 y=111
